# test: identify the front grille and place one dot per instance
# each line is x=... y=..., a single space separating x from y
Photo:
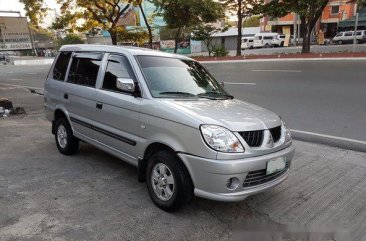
x=260 y=177
x=253 y=138
x=276 y=133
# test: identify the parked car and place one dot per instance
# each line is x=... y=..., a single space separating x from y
x=264 y=40
x=247 y=43
x=166 y=115
x=348 y=37
x=279 y=40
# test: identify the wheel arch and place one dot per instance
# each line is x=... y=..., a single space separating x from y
x=59 y=113
x=149 y=151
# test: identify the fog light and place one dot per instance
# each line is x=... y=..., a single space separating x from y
x=232 y=183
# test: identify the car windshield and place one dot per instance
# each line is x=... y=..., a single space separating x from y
x=172 y=77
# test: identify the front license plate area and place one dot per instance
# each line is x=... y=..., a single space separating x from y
x=276 y=165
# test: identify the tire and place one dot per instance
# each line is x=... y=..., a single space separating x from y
x=168 y=182
x=340 y=42
x=66 y=143
x=266 y=46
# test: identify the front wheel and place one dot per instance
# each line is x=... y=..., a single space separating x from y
x=168 y=181
x=340 y=42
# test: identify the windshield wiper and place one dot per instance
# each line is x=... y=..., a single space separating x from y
x=215 y=95
x=177 y=93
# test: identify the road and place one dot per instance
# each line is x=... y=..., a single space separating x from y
x=321 y=97
x=297 y=49
x=94 y=196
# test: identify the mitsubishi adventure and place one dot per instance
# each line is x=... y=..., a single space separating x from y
x=169 y=117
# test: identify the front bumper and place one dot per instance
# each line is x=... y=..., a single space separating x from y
x=210 y=176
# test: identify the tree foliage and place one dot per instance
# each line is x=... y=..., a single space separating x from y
x=205 y=33
x=181 y=14
x=95 y=13
x=309 y=11
x=240 y=8
x=69 y=39
x=35 y=11
x=253 y=21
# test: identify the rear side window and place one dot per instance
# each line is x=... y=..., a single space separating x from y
x=59 y=71
x=118 y=67
x=84 y=71
x=348 y=34
x=268 y=37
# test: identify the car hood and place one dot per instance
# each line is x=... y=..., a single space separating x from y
x=235 y=115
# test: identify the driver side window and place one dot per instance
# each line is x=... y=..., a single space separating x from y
x=117 y=67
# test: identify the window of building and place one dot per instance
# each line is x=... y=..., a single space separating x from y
x=118 y=67
x=84 y=69
x=335 y=10
x=59 y=71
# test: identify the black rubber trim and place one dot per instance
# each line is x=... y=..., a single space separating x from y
x=105 y=132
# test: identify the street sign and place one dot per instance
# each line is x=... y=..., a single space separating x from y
x=14 y=34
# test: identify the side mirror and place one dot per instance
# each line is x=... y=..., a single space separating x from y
x=126 y=84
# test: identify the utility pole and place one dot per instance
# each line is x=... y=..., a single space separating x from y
x=295 y=29
x=355 y=34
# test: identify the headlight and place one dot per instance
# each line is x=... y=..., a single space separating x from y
x=288 y=136
x=221 y=139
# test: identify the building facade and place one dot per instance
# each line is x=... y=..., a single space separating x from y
x=335 y=12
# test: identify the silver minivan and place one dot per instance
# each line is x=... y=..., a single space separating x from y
x=166 y=115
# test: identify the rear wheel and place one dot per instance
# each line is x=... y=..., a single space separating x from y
x=66 y=143
x=168 y=181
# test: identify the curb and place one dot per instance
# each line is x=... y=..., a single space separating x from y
x=340 y=142
x=34 y=62
x=282 y=60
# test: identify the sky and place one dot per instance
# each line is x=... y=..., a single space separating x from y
x=15 y=5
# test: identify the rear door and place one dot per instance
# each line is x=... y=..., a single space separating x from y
x=56 y=82
x=80 y=92
x=117 y=119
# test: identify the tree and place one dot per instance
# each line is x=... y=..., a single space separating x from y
x=96 y=13
x=69 y=39
x=181 y=14
x=137 y=35
x=309 y=11
x=139 y=3
x=241 y=8
x=253 y=21
x=35 y=11
x=204 y=33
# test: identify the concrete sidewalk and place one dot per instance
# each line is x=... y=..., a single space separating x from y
x=94 y=196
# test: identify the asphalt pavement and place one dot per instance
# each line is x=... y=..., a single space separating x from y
x=45 y=195
x=321 y=97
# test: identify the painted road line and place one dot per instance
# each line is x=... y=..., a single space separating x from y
x=329 y=137
x=277 y=70
x=16 y=79
x=22 y=86
x=232 y=83
x=32 y=73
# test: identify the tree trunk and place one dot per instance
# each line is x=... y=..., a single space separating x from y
x=177 y=38
x=148 y=27
x=240 y=22
x=302 y=27
x=307 y=39
x=113 y=34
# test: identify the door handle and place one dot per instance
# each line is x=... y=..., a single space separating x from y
x=66 y=96
x=99 y=106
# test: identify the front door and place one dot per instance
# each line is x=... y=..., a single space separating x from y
x=117 y=119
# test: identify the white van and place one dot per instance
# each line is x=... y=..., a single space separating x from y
x=264 y=40
x=247 y=43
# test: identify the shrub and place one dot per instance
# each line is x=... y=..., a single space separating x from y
x=220 y=51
